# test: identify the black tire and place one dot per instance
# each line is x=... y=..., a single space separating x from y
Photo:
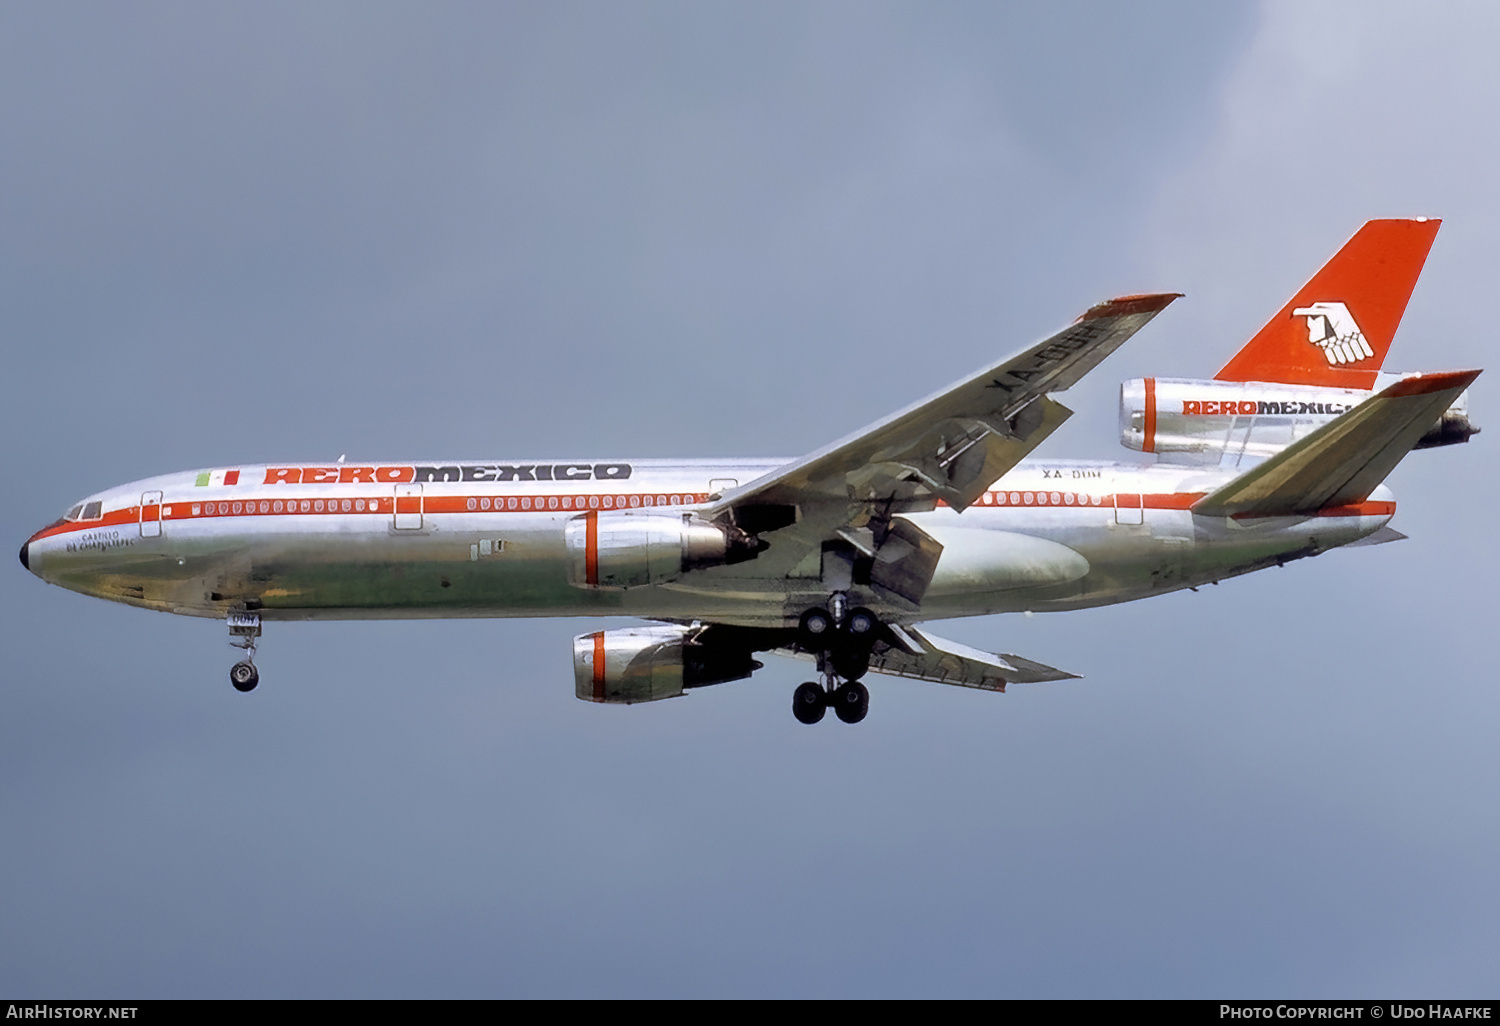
x=852 y=661
x=862 y=624
x=244 y=676
x=808 y=703
x=816 y=627
x=851 y=702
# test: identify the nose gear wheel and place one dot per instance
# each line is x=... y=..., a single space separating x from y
x=244 y=628
x=244 y=676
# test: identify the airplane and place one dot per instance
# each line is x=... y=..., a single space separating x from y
x=841 y=556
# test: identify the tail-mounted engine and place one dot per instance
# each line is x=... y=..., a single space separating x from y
x=1452 y=427
x=1258 y=419
x=614 y=551
x=645 y=664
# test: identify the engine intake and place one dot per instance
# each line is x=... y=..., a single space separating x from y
x=615 y=551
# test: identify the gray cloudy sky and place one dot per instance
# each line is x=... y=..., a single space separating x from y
x=249 y=232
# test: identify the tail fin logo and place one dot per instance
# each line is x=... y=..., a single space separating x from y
x=1332 y=328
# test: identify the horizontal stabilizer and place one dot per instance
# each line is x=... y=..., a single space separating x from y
x=1380 y=537
x=1344 y=461
x=926 y=657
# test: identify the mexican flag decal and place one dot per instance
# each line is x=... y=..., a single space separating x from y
x=218 y=477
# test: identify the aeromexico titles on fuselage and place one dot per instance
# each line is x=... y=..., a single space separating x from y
x=423 y=473
x=1260 y=407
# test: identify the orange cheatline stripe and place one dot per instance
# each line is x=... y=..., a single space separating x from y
x=180 y=510
x=1170 y=500
x=183 y=509
x=114 y=518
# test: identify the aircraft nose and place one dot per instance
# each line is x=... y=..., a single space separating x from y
x=33 y=561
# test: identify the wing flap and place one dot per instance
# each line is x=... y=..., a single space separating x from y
x=919 y=655
x=1345 y=460
x=905 y=562
x=940 y=661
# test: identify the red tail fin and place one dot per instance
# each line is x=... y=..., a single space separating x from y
x=1338 y=327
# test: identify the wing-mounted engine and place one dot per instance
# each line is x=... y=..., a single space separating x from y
x=619 y=550
x=1196 y=421
x=646 y=664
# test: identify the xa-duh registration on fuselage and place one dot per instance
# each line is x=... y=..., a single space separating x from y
x=838 y=556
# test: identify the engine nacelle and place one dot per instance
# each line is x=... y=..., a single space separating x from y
x=647 y=664
x=1248 y=418
x=1452 y=428
x=619 y=550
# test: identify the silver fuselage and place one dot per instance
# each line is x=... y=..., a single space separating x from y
x=480 y=538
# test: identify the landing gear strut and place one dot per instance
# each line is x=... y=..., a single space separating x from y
x=244 y=628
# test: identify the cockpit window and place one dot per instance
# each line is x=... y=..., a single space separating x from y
x=93 y=511
x=73 y=513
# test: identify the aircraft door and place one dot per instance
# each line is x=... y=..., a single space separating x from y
x=1129 y=509
x=408 y=507
x=151 y=514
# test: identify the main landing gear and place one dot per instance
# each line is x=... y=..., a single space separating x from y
x=850 y=701
x=244 y=628
x=842 y=638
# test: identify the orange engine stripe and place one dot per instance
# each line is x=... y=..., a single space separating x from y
x=591 y=551
x=599 y=666
x=1150 y=443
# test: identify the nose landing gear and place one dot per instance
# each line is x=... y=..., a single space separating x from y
x=244 y=628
